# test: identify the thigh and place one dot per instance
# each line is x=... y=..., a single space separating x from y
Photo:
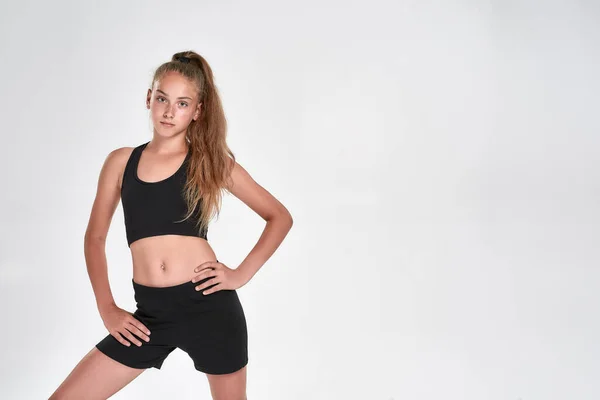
x=228 y=386
x=96 y=376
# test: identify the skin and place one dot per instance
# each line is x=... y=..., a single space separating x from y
x=169 y=259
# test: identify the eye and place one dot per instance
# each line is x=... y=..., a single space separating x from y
x=184 y=103
x=159 y=98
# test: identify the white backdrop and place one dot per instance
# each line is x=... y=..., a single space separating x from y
x=439 y=158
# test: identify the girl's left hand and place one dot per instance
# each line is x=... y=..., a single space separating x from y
x=224 y=277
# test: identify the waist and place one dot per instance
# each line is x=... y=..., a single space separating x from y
x=162 y=261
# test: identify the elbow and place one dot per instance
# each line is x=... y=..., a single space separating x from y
x=91 y=238
x=287 y=217
x=283 y=217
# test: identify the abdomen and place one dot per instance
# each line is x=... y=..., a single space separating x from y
x=168 y=260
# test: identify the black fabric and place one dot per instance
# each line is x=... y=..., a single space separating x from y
x=155 y=208
x=210 y=328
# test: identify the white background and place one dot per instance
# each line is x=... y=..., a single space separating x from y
x=439 y=158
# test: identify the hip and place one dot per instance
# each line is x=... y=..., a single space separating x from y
x=182 y=302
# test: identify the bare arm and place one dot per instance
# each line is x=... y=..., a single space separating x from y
x=107 y=198
x=279 y=219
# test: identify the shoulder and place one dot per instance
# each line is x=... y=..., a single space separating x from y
x=119 y=157
x=116 y=161
x=236 y=172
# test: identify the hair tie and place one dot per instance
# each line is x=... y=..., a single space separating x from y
x=183 y=59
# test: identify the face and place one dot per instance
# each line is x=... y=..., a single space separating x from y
x=173 y=104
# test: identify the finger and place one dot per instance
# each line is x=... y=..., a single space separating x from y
x=131 y=338
x=207 y=264
x=213 y=289
x=138 y=332
x=207 y=284
x=203 y=275
x=202 y=266
x=117 y=335
x=134 y=321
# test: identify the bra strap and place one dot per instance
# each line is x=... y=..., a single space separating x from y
x=132 y=163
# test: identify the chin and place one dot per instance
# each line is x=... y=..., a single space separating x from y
x=168 y=132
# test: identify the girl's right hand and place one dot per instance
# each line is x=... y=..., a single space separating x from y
x=121 y=323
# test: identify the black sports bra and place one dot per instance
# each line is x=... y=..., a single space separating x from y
x=153 y=208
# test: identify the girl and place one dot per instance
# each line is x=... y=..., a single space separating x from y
x=170 y=188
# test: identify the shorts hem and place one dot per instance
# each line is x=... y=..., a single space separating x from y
x=125 y=363
x=221 y=371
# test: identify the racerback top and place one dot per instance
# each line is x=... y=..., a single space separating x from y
x=153 y=208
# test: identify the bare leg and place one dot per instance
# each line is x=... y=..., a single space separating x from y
x=96 y=376
x=228 y=386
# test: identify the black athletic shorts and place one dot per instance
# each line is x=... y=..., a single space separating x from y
x=210 y=328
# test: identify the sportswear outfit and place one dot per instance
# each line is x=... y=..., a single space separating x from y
x=211 y=328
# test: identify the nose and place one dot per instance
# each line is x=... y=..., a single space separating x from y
x=168 y=113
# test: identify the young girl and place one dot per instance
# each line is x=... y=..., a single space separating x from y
x=170 y=188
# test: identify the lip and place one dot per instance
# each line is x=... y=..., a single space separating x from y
x=166 y=123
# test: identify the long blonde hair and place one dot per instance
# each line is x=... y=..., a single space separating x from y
x=211 y=160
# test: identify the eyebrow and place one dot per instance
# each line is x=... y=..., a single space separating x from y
x=158 y=90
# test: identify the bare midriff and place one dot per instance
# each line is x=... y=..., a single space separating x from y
x=168 y=260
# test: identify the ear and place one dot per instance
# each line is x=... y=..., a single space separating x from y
x=197 y=113
x=148 y=97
